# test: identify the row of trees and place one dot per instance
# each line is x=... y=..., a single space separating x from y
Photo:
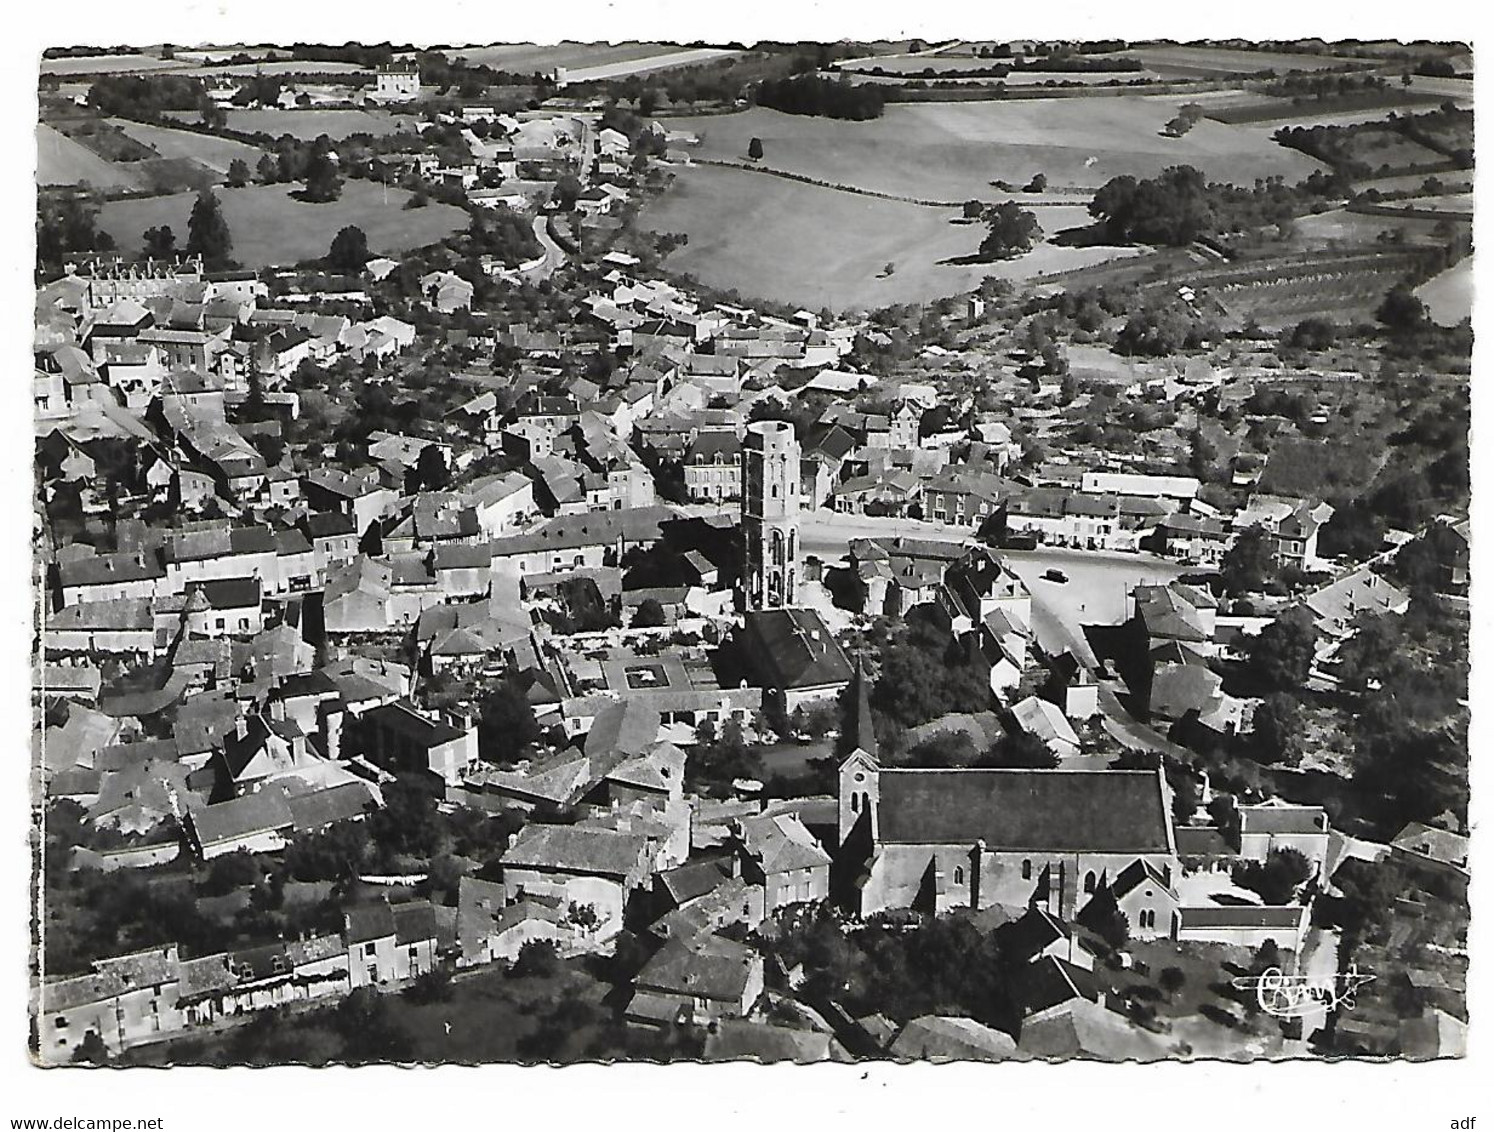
x=825 y=98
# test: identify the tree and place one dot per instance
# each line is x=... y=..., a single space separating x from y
x=349 y=250
x=537 y=957
x=972 y=209
x=755 y=149
x=1276 y=879
x=91 y=1050
x=943 y=750
x=649 y=615
x=159 y=243
x=207 y=232
x=238 y=173
x=567 y=190
x=1281 y=654
x=1013 y=230
x=1021 y=749
x=1277 y=730
x=1038 y=184
x=267 y=170
x=1172 y=980
x=1103 y=916
x=369 y=1029
x=1402 y=312
x=505 y=723
x=323 y=183
x=1249 y=565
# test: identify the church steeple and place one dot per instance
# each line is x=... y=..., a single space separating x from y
x=861 y=721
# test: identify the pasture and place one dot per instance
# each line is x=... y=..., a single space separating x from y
x=952 y=151
x=813 y=247
x=214 y=152
x=62 y=161
x=270 y=227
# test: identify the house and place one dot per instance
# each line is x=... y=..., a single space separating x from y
x=224 y=607
x=1044 y=721
x=400 y=737
x=1278 y=825
x=937 y=1038
x=124 y=626
x=1362 y=593
x=578 y=864
x=257 y=822
x=123 y=1000
x=446 y=292
x=737 y=1039
x=1426 y=849
x=501 y=502
x=782 y=856
x=489 y=928
x=794 y=657
x=713 y=467
x=709 y=979
x=1291 y=524
x=110 y=577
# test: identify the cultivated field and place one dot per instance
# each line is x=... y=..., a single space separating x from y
x=62 y=161
x=776 y=239
x=1185 y=61
x=952 y=151
x=214 y=152
x=1449 y=296
x=271 y=227
x=311 y=124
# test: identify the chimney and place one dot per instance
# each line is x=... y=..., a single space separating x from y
x=241 y=727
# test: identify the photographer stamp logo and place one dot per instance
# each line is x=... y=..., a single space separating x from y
x=1293 y=996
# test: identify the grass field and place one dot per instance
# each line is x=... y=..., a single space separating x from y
x=270 y=227
x=1449 y=296
x=1344 y=227
x=951 y=151
x=62 y=161
x=216 y=153
x=311 y=124
x=814 y=247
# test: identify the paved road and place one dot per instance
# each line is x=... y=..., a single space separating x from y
x=554 y=254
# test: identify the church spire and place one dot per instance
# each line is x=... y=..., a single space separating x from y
x=861 y=720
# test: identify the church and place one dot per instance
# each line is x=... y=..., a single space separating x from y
x=938 y=840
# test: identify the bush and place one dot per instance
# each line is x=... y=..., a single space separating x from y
x=539 y=958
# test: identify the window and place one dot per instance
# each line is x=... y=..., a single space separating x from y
x=373 y=972
x=855 y=803
x=368 y=949
x=959 y=875
x=61 y=1023
x=1089 y=881
x=1026 y=870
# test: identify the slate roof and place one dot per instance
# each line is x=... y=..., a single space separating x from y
x=797 y=648
x=576 y=849
x=253 y=813
x=1107 y=811
x=712 y=967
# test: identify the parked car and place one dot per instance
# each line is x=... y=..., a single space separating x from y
x=1055 y=575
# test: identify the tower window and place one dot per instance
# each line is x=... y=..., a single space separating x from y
x=1026 y=870
x=959 y=875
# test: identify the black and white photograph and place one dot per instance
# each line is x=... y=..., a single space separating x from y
x=805 y=549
